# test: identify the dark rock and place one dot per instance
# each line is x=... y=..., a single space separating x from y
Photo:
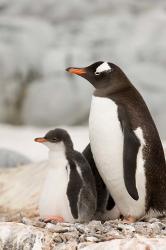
x=10 y=158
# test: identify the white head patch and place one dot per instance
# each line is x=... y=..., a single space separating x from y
x=103 y=67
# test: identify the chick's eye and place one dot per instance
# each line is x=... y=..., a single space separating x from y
x=54 y=139
x=97 y=73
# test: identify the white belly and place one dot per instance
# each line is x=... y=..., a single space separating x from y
x=53 y=200
x=106 y=140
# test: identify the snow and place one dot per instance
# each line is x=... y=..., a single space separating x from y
x=21 y=139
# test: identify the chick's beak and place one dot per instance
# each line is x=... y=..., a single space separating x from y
x=40 y=140
x=77 y=71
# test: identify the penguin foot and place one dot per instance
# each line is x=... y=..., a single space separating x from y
x=54 y=219
x=129 y=219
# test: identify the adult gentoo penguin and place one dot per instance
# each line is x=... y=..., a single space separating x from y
x=125 y=142
x=69 y=192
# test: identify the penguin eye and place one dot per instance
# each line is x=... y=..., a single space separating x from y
x=54 y=140
x=97 y=73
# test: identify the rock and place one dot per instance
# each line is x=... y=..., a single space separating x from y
x=28 y=237
x=66 y=104
x=152 y=220
x=126 y=229
x=81 y=228
x=92 y=239
x=92 y=227
x=10 y=216
x=66 y=246
x=9 y=158
x=22 y=236
x=84 y=244
x=29 y=182
x=162 y=226
x=57 y=228
x=10 y=94
x=129 y=244
x=19 y=221
x=57 y=238
x=82 y=238
x=35 y=223
x=95 y=226
x=37 y=42
x=155 y=228
x=71 y=236
x=20 y=58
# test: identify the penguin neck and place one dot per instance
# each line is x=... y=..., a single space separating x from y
x=108 y=92
x=57 y=154
x=61 y=152
x=115 y=87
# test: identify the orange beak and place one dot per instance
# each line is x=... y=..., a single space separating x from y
x=76 y=71
x=40 y=140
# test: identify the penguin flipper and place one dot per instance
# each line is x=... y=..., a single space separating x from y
x=130 y=151
x=74 y=189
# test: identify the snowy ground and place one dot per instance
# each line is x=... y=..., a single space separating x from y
x=21 y=139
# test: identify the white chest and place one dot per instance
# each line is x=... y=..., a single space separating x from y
x=53 y=199
x=107 y=140
x=106 y=137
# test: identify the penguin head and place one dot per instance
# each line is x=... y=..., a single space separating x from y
x=102 y=75
x=57 y=139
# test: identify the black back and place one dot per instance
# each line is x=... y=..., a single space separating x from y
x=153 y=153
x=81 y=190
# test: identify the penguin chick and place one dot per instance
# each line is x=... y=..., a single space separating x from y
x=69 y=192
